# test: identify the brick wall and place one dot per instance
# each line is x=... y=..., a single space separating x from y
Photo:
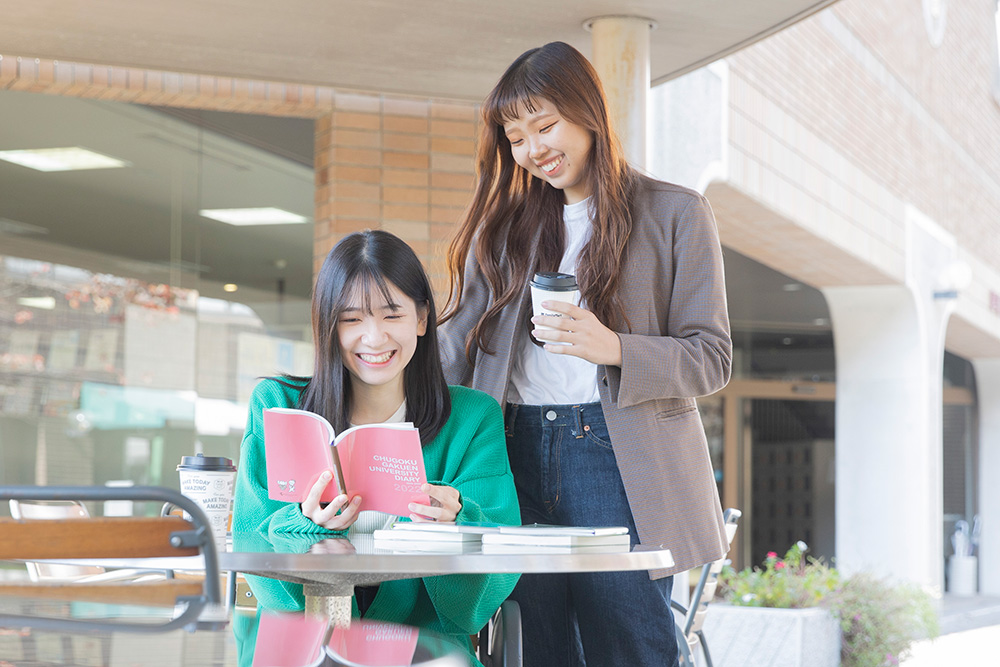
x=400 y=164
x=840 y=122
x=920 y=122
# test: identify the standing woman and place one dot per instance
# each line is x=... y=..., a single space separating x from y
x=605 y=430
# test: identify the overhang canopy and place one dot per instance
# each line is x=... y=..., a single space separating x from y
x=437 y=48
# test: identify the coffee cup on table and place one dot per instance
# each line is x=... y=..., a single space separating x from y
x=552 y=286
x=208 y=480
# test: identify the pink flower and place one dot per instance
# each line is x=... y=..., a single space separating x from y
x=771 y=554
x=780 y=565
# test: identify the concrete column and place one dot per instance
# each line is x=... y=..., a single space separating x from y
x=883 y=449
x=621 y=58
x=889 y=342
x=988 y=393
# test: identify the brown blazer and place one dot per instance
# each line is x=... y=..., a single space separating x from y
x=673 y=291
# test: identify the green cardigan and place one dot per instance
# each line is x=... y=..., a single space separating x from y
x=469 y=454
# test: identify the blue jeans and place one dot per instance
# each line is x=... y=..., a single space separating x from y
x=565 y=472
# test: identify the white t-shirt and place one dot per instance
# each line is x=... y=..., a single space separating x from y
x=538 y=377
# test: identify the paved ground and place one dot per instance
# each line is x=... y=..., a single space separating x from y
x=970 y=635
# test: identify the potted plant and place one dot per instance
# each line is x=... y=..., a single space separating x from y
x=800 y=611
x=880 y=620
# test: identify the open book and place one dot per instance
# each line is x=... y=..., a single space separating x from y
x=383 y=463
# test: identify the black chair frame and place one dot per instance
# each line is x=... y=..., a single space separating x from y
x=500 y=640
x=200 y=537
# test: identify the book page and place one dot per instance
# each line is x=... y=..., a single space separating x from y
x=384 y=464
x=297 y=447
x=373 y=643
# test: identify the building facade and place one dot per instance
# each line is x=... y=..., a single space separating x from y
x=852 y=161
x=857 y=153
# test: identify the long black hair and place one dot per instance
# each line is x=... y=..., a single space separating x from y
x=363 y=262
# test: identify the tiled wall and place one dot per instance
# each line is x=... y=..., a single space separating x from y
x=918 y=121
x=400 y=164
x=840 y=121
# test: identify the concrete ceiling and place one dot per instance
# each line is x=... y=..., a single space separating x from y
x=145 y=218
x=439 y=48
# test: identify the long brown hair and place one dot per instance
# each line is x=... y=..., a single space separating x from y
x=513 y=212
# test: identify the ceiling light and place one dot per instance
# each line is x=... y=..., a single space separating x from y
x=230 y=287
x=62 y=159
x=43 y=302
x=15 y=228
x=253 y=216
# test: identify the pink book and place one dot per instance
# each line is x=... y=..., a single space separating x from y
x=373 y=644
x=289 y=640
x=383 y=463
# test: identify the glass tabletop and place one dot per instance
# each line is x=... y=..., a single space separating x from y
x=360 y=555
x=235 y=636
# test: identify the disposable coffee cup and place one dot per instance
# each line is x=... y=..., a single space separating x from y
x=208 y=480
x=553 y=287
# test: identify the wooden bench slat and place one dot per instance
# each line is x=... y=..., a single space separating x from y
x=102 y=537
x=149 y=594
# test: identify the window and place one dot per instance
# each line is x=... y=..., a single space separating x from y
x=121 y=348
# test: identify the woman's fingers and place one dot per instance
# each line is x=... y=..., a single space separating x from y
x=336 y=515
x=311 y=504
x=331 y=520
x=446 y=503
x=586 y=336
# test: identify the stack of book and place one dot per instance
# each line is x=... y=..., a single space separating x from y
x=447 y=537
x=539 y=538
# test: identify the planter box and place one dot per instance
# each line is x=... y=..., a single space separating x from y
x=755 y=636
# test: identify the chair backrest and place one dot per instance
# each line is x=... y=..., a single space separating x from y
x=53 y=510
x=110 y=537
x=704 y=591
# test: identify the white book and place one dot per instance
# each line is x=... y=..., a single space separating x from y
x=426 y=546
x=545 y=529
x=558 y=540
x=446 y=527
x=545 y=549
x=394 y=535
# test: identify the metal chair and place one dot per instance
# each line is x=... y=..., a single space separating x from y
x=500 y=639
x=110 y=537
x=689 y=627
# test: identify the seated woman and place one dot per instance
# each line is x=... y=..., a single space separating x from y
x=374 y=330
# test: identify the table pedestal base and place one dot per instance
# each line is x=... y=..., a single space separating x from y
x=332 y=605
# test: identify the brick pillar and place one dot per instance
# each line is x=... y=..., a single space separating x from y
x=348 y=166
x=453 y=131
x=404 y=165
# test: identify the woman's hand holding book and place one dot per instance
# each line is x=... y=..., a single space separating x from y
x=336 y=515
x=446 y=503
